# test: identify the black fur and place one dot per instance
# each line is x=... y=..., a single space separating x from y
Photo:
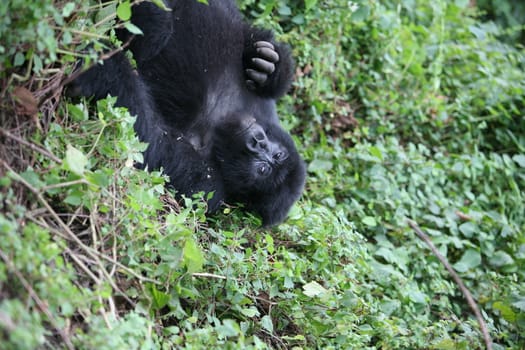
x=205 y=97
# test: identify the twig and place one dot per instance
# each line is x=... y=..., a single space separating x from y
x=104 y=57
x=92 y=251
x=210 y=275
x=31 y=145
x=39 y=302
x=66 y=228
x=470 y=300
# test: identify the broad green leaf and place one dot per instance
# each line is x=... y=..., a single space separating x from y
x=417 y=296
x=520 y=159
x=228 y=328
x=309 y=4
x=68 y=9
x=501 y=258
x=313 y=289
x=506 y=311
x=445 y=344
x=319 y=166
x=266 y=323
x=193 y=258
x=32 y=178
x=376 y=152
x=269 y=243
x=469 y=260
x=468 y=229
x=250 y=312
x=124 y=11
x=133 y=29
x=162 y=5
x=160 y=299
x=75 y=160
x=369 y=221
x=19 y=59
x=360 y=14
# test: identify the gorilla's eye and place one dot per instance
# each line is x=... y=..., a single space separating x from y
x=259 y=136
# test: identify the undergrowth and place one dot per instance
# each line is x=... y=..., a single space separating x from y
x=403 y=110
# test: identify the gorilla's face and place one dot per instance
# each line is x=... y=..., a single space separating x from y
x=252 y=156
x=265 y=156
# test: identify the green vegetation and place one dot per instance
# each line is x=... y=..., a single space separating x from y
x=402 y=109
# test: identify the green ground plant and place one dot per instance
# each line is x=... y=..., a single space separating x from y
x=402 y=110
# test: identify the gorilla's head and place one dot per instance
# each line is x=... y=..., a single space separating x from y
x=259 y=165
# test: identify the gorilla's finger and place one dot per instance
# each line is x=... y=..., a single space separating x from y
x=261 y=44
x=251 y=84
x=263 y=66
x=268 y=54
x=257 y=77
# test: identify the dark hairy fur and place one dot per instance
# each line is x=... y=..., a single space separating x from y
x=207 y=128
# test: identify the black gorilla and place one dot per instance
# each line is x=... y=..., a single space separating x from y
x=204 y=97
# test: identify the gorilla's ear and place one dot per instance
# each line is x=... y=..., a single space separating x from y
x=273 y=206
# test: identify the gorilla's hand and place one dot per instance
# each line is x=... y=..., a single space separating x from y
x=261 y=65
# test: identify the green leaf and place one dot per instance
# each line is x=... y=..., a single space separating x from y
x=501 y=258
x=68 y=9
x=133 y=29
x=75 y=160
x=313 y=289
x=269 y=243
x=360 y=14
x=469 y=260
x=160 y=299
x=417 y=297
x=124 y=11
x=468 y=229
x=445 y=344
x=193 y=258
x=266 y=323
x=320 y=166
x=32 y=178
x=228 y=328
x=506 y=311
x=250 y=312
x=162 y=5
x=19 y=59
x=369 y=221
x=520 y=159
x=376 y=152
x=309 y=4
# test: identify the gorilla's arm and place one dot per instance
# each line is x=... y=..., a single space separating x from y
x=268 y=64
x=188 y=171
x=156 y=25
x=115 y=77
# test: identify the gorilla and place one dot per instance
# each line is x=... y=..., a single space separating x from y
x=204 y=92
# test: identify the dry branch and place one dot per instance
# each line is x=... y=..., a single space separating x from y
x=470 y=300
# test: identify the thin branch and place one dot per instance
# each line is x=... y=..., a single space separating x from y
x=66 y=229
x=210 y=275
x=31 y=145
x=104 y=57
x=470 y=300
x=39 y=302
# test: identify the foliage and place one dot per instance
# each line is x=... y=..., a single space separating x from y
x=409 y=109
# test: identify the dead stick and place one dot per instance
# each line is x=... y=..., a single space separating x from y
x=458 y=280
x=31 y=145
